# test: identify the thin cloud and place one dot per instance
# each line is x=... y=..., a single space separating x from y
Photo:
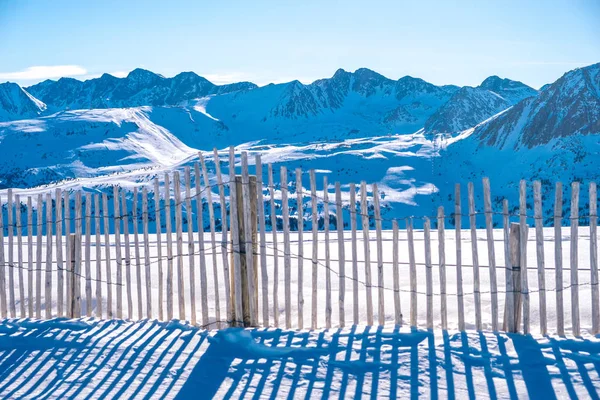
x=42 y=72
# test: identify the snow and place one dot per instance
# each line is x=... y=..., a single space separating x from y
x=90 y=358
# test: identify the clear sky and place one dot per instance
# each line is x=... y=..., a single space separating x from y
x=458 y=42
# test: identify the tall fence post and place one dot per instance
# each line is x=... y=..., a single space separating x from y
x=74 y=304
x=513 y=285
x=248 y=278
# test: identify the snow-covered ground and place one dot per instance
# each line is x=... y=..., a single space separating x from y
x=584 y=276
x=88 y=358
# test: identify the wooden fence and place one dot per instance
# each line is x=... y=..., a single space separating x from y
x=109 y=255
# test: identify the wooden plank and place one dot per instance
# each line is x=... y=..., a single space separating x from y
x=354 y=239
x=159 y=258
x=11 y=260
x=88 y=264
x=523 y=254
x=275 y=250
x=128 y=285
x=224 y=249
x=147 y=253
x=248 y=204
x=119 y=259
x=48 y=275
x=190 y=239
x=235 y=237
x=69 y=261
x=58 y=200
x=489 y=227
x=19 y=224
x=428 y=272
x=3 y=305
x=76 y=305
x=179 y=240
x=558 y=265
x=168 y=233
x=315 y=248
x=106 y=218
x=136 y=245
x=327 y=254
x=201 y=253
x=30 y=283
x=442 y=266
x=539 y=245
x=594 y=258
x=574 y=256
x=98 y=255
x=367 y=250
x=514 y=311
x=287 y=261
x=476 y=285
x=396 y=275
x=341 y=253
x=263 y=243
x=300 y=211
x=412 y=272
x=38 y=260
x=509 y=300
x=458 y=241
x=380 y=294
x=213 y=240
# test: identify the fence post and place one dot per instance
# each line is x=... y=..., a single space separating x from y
x=249 y=311
x=73 y=309
x=513 y=304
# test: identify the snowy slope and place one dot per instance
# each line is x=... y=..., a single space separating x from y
x=16 y=103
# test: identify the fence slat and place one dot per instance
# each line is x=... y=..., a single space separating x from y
x=88 y=265
x=367 y=255
x=235 y=236
x=224 y=251
x=328 y=307
x=249 y=232
x=523 y=253
x=106 y=217
x=263 y=244
x=38 y=260
x=136 y=241
x=458 y=240
x=412 y=272
x=179 y=240
x=59 y=252
x=558 y=279
x=594 y=258
x=476 y=286
x=354 y=253
x=68 y=256
x=147 y=253
x=119 y=259
x=190 y=239
x=98 y=255
x=539 y=246
x=77 y=255
x=574 y=254
x=300 y=211
x=510 y=295
x=442 y=261
x=3 y=305
x=315 y=247
x=201 y=252
x=396 y=275
x=213 y=239
x=275 y=250
x=125 y=217
x=11 y=261
x=19 y=224
x=428 y=272
x=30 y=283
x=158 y=224
x=341 y=254
x=380 y=295
x=287 y=262
x=168 y=231
x=489 y=227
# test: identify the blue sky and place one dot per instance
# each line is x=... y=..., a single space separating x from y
x=458 y=42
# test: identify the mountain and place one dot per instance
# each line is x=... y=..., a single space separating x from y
x=472 y=105
x=16 y=103
x=139 y=88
